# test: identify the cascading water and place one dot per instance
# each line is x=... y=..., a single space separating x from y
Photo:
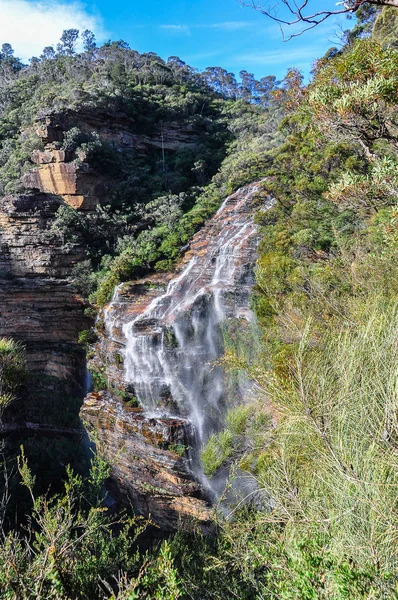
x=172 y=346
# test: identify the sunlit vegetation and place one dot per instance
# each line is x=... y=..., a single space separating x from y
x=319 y=442
x=233 y=124
x=326 y=299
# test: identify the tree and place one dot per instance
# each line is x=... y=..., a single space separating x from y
x=7 y=58
x=48 y=53
x=6 y=51
x=89 y=43
x=366 y=17
x=385 y=29
x=264 y=89
x=354 y=99
x=221 y=81
x=302 y=14
x=181 y=71
x=68 y=42
x=248 y=86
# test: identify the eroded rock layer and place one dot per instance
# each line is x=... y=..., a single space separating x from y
x=149 y=465
x=61 y=172
x=38 y=305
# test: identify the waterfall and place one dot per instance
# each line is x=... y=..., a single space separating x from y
x=171 y=348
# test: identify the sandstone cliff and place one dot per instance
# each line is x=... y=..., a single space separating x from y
x=80 y=186
x=149 y=462
x=38 y=305
x=158 y=339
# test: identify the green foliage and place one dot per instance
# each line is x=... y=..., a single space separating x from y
x=70 y=548
x=377 y=188
x=328 y=466
x=98 y=378
x=319 y=441
x=127 y=397
x=151 y=202
x=248 y=559
x=385 y=30
x=12 y=371
x=354 y=97
x=179 y=449
x=158 y=247
x=87 y=337
x=217 y=450
x=158 y=581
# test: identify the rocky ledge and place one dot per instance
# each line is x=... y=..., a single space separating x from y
x=150 y=464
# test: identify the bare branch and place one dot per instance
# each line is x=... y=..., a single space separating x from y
x=301 y=14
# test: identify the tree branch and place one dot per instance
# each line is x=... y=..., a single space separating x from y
x=300 y=13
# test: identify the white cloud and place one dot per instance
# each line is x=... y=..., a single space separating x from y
x=230 y=25
x=276 y=57
x=29 y=26
x=183 y=29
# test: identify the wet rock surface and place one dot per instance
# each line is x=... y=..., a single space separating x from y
x=149 y=461
x=159 y=341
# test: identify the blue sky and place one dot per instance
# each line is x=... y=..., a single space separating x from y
x=201 y=32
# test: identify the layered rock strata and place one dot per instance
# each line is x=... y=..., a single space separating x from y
x=59 y=172
x=149 y=463
x=119 y=130
x=38 y=304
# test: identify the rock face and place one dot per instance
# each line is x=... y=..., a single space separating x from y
x=160 y=339
x=59 y=172
x=161 y=336
x=149 y=465
x=118 y=129
x=38 y=305
x=76 y=184
x=37 y=302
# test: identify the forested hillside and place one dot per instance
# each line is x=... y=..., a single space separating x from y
x=223 y=119
x=319 y=439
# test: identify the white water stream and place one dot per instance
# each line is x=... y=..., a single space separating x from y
x=171 y=348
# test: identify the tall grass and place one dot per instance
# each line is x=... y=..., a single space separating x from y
x=332 y=461
x=12 y=370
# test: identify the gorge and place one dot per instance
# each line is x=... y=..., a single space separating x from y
x=159 y=393
x=199 y=323
x=158 y=345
